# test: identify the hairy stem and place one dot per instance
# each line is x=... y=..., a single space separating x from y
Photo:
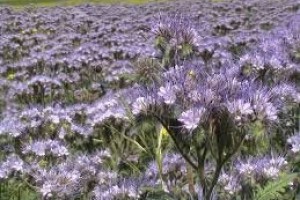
x=177 y=144
x=214 y=181
x=201 y=168
x=220 y=164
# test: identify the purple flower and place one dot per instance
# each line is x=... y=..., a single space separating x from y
x=11 y=164
x=168 y=93
x=191 y=118
x=271 y=166
x=294 y=141
x=141 y=105
x=246 y=168
x=57 y=181
x=45 y=147
x=263 y=106
x=240 y=110
x=230 y=183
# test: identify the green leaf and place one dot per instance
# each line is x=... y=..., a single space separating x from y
x=159 y=154
x=187 y=50
x=276 y=189
x=134 y=142
x=258 y=129
x=159 y=195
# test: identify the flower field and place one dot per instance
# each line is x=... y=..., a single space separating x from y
x=23 y=3
x=171 y=100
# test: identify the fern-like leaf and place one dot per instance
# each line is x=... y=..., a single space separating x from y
x=274 y=190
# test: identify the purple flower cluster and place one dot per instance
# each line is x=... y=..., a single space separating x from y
x=12 y=164
x=250 y=172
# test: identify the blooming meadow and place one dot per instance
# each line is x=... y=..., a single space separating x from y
x=173 y=100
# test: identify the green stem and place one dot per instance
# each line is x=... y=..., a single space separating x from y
x=186 y=157
x=201 y=168
x=214 y=181
x=201 y=147
x=190 y=179
x=220 y=164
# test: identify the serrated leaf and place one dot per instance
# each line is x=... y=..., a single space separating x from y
x=274 y=190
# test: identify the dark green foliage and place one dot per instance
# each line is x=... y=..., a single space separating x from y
x=275 y=190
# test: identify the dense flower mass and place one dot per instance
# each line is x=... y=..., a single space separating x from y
x=180 y=99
